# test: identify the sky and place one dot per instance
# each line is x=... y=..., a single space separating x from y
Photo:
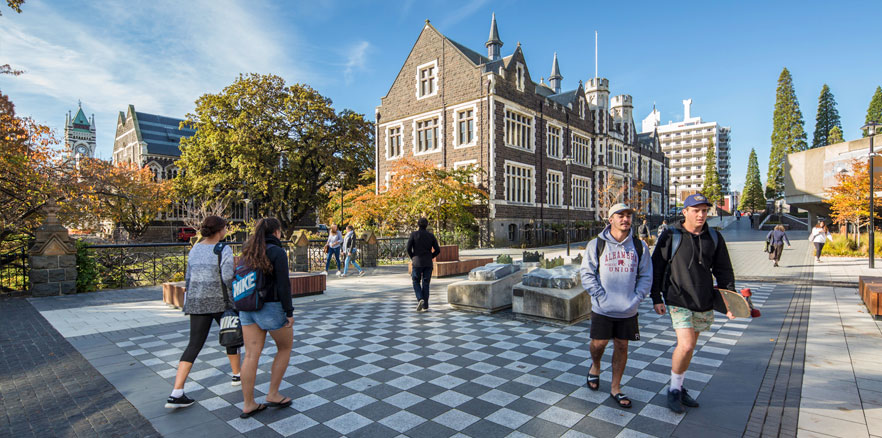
x=160 y=56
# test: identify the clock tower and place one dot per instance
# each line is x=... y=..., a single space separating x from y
x=79 y=134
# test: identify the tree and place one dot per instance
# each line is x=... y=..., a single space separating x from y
x=15 y=5
x=835 y=136
x=788 y=134
x=711 y=189
x=609 y=192
x=121 y=193
x=827 y=118
x=278 y=145
x=874 y=110
x=752 y=198
x=849 y=200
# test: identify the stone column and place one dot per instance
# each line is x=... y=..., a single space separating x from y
x=301 y=251
x=371 y=250
x=53 y=260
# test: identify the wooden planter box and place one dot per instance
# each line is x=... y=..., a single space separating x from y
x=304 y=284
x=173 y=293
x=871 y=293
x=449 y=253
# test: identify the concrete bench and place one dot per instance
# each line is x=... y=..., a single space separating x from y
x=302 y=284
x=871 y=293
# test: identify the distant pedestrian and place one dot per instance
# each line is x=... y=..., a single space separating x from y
x=737 y=215
x=617 y=272
x=349 y=251
x=209 y=271
x=422 y=248
x=819 y=237
x=642 y=231
x=263 y=251
x=661 y=228
x=776 y=239
x=332 y=247
x=687 y=259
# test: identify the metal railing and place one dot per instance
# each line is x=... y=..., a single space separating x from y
x=14 y=267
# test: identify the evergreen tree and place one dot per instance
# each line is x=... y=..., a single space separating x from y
x=827 y=118
x=711 y=188
x=788 y=134
x=752 y=197
x=874 y=111
x=835 y=136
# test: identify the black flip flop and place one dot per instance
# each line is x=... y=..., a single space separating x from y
x=259 y=408
x=593 y=378
x=620 y=398
x=282 y=404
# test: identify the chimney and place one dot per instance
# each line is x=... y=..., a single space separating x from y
x=687 y=114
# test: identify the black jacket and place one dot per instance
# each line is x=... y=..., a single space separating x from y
x=278 y=287
x=692 y=270
x=422 y=247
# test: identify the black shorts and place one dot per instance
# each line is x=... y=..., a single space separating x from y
x=604 y=327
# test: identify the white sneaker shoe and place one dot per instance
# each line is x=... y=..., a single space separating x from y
x=324 y=272
x=361 y=274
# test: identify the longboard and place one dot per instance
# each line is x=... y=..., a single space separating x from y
x=736 y=302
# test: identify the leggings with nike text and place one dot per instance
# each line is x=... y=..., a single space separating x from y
x=199 y=327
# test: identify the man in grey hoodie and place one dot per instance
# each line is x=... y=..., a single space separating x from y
x=618 y=280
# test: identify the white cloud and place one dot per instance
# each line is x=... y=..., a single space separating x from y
x=461 y=13
x=355 y=60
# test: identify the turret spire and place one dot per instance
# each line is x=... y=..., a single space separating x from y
x=555 y=79
x=493 y=43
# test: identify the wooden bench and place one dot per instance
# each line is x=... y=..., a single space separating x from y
x=871 y=293
x=448 y=263
x=302 y=284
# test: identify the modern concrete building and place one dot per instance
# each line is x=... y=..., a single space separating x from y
x=685 y=143
x=809 y=175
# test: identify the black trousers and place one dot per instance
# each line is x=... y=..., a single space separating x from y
x=819 y=246
x=199 y=327
x=421 y=276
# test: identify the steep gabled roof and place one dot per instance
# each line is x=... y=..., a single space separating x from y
x=473 y=56
x=80 y=122
x=565 y=97
x=162 y=134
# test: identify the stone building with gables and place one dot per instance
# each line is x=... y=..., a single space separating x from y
x=454 y=107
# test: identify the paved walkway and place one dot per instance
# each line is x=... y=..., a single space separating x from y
x=366 y=365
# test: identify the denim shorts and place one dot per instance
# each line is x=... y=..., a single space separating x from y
x=270 y=317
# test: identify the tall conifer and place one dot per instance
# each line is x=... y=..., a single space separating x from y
x=835 y=136
x=874 y=111
x=752 y=198
x=827 y=118
x=788 y=134
x=711 y=188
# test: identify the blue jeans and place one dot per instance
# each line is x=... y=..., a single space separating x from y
x=333 y=252
x=350 y=258
x=421 y=276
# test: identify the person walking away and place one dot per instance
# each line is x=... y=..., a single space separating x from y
x=422 y=247
x=819 y=237
x=349 y=251
x=661 y=229
x=263 y=251
x=204 y=302
x=776 y=239
x=332 y=247
x=618 y=276
x=685 y=262
x=642 y=231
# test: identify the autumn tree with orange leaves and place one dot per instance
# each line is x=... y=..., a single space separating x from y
x=849 y=200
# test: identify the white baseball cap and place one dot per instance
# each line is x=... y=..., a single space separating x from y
x=618 y=208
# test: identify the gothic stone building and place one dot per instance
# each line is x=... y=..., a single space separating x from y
x=79 y=135
x=454 y=107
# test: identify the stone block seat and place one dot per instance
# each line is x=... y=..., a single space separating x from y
x=448 y=263
x=487 y=290
x=871 y=293
x=302 y=284
x=552 y=295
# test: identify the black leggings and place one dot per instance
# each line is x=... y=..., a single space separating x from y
x=199 y=327
x=819 y=246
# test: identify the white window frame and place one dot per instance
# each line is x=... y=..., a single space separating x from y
x=531 y=180
x=456 y=120
x=644 y=199
x=388 y=179
x=434 y=79
x=586 y=152
x=158 y=172
x=400 y=127
x=477 y=177
x=645 y=170
x=172 y=169
x=520 y=76
x=531 y=137
x=656 y=203
x=550 y=200
x=656 y=173
x=583 y=189
x=438 y=134
x=560 y=138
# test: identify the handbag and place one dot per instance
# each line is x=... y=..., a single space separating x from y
x=230 y=334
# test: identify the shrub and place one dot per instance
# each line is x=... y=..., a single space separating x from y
x=842 y=246
x=504 y=259
x=87 y=268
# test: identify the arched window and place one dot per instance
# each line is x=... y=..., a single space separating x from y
x=172 y=172
x=157 y=171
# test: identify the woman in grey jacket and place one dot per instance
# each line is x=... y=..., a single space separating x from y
x=776 y=239
x=204 y=302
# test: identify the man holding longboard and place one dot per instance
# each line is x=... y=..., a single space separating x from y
x=687 y=258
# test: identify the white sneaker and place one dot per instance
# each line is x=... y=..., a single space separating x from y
x=324 y=272
x=341 y=275
x=361 y=274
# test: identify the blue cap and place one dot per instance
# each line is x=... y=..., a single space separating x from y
x=696 y=199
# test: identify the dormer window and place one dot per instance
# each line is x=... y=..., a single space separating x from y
x=427 y=80
x=520 y=76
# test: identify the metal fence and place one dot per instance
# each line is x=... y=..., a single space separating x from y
x=392 y=250
x=317 y=255
x=133 y=265
x=14 y=267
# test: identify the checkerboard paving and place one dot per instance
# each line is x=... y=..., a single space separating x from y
x=380 y=369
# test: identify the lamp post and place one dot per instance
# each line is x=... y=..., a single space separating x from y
x=569 y=159
x=342 y=180
x=247 y=203
x=676 y=193
x=871 y=131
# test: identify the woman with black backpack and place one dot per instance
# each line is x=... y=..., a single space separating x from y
x=274 y=314
x=209 y=270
